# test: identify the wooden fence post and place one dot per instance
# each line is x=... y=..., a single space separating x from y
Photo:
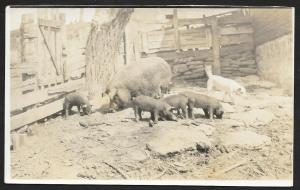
x=216 y=46
x=175 y=25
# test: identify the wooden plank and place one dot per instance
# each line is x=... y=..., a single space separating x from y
x=29 y=87
x=195 y=38
x=236 y=39
x=190 y=21
x=35 y=114
x=216 y=47
x=161 y=45
x=175 y=25
x=17 y=102
x=20 y=83
x=48 y=45
x=50 y=23
x=234 y=19
x=242 y=29
x=197 y=31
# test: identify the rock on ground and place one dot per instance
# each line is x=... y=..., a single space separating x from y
x=254 y=117
x=173 y=139
x=244 y=138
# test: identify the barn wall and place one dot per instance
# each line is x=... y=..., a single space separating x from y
x=270 y=23
x=191 y=48
x=188 y=66
x=275 y=61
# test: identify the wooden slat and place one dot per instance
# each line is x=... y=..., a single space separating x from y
x=50 y=50
x=190 y=21
x=50 y=23
x=162 y=44
x=195 y=38
x=35 y=114
x=236 y=39
x=176 y=27
x=159 y=35
x=234 y=19
x=21 y=84
x=28 y=87
x=197 y=32
x=18 y=102
x=242 y=29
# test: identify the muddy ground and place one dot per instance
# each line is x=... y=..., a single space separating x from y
x=254 y=140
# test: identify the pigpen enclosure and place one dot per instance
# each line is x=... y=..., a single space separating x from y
x=56 y=51
x=51 y=65
x=48 y=61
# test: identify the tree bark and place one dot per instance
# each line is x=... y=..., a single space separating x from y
x=102 y=48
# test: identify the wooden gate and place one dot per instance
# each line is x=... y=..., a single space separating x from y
x=53 y=55
x=40 y=78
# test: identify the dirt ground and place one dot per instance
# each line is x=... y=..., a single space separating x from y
x=254 y=140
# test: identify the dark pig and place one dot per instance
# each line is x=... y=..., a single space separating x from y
x=155 y=106
x=75 y=99
x=210 y=105
x=148 y=77
x=179 y=102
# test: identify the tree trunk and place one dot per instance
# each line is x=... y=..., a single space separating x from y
x=102 y=48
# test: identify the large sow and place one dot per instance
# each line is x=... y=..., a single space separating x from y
x=144 y=78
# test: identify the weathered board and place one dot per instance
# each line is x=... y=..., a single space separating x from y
x=166 y=40
x=235 y=19
x=35 y=114
x=236 y=39
x=238 y=29
x=195 y=38
x=18 y=102
x=190 y=21
x=224 y=41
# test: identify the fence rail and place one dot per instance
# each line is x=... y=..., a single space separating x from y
x=197 y=33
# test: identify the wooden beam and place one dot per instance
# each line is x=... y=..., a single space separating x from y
x=190 y=21
x=19 y=102
x=216 y=47
x=50 y=23
x=242 y=29
x=175 y=25
x=236 y=39
x=35 y=114
x=235 y=19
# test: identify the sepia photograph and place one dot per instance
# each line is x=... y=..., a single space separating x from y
x=170 y=95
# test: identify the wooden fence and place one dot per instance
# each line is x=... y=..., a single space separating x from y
x=43 y=74
x=49 y=63
x=224 y=41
